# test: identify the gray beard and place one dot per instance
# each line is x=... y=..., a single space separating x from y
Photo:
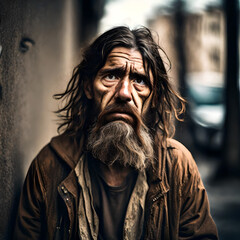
x=117 y=142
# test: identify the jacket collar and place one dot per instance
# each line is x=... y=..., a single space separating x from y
x=157 y=176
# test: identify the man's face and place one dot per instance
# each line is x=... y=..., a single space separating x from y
x=121 y=81
x=121 y=93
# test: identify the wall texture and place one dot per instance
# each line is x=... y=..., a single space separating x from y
x=39 y=46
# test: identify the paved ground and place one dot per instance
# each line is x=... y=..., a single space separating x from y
x=224 y=194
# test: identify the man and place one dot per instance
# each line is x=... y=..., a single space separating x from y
x=114 y=173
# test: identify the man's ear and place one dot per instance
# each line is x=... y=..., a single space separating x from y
x=88 y=90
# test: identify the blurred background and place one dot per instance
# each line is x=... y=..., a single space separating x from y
x=41 y=42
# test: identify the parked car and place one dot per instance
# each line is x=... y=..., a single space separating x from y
x=205 y=95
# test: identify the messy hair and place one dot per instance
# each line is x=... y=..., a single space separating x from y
x=166 y=103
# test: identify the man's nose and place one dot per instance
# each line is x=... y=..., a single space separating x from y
x=124 y=90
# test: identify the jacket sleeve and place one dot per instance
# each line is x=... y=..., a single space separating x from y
x=195 y=218
x=30 y=212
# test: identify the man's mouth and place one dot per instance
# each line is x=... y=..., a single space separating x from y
x=115 y=116
x=117 y=112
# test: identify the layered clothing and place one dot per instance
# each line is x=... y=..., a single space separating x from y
x=176 y=203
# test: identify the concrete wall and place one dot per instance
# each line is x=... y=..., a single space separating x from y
x=39 y=45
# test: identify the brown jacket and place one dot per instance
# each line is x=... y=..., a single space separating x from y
x=176 y=206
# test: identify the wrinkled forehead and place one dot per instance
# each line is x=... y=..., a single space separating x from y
x=130 y=58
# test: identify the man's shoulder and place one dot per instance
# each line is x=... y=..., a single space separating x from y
x=49 y=151
x=61 y=150
x=179 y=157
x=177 y=148
x=47 y=159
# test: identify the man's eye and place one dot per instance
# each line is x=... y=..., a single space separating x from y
x=110 y=77
x=140 y=81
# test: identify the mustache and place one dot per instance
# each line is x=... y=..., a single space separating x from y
x=122 y=108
